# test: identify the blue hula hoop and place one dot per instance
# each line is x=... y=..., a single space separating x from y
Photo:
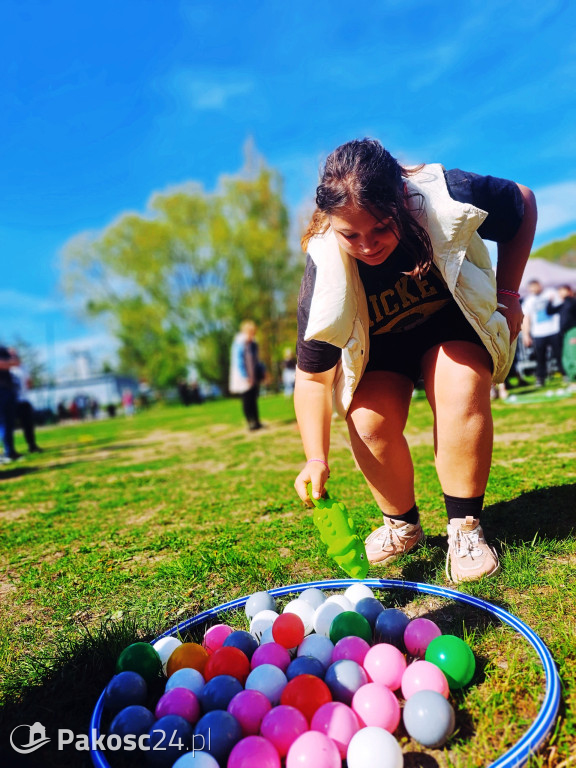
x=516 y=756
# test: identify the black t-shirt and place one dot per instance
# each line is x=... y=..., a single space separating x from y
x=5 y=377
x=396 y=302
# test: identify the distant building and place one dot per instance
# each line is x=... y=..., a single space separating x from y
x=106 y=389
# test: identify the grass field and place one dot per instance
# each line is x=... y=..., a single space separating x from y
x=125 y=527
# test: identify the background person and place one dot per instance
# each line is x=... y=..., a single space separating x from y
x=541 y=330
x=398 y=285
x=246 y=372
x=8 y=360
x=24 y=408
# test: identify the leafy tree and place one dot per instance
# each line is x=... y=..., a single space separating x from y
x=560 y=251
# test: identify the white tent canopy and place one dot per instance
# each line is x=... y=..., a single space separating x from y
x=549 y=273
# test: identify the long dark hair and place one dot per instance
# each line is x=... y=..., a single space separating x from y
x=362 y=174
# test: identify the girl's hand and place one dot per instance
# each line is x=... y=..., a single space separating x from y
x=313 y=472
x=510 y=307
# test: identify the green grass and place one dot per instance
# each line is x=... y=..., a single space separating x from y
x=124 y=528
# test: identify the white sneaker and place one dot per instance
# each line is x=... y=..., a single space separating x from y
x=469 y=556
x=391 y=540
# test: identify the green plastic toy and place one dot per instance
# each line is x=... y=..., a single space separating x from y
x=338 y=532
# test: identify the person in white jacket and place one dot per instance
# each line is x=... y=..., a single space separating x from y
x=399 y=288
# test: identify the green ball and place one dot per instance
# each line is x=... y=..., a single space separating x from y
x=455 y=659
x=350 y=623
x=141 y=658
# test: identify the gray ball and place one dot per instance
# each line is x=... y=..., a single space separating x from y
x=429 y=718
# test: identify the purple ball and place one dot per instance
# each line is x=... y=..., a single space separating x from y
x=271 y=653
x=249 y=707
x=179 y=701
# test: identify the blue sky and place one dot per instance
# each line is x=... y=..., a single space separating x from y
x=105 y=103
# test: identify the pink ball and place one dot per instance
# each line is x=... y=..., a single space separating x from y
x=249 y=708
x=385 y=664
x=288 y=630
x=337 y=721
x=271 y=653
x=313 y=750
x=424 y=676
x=419 y=634
x=179 y=701
x=374 y=704
x=215 y=636
x=352 y=648
x=282 y=726
x=252 y=751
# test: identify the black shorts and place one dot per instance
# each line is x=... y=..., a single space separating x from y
x=403 y=352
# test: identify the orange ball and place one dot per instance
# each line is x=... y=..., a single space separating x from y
x=190 y=655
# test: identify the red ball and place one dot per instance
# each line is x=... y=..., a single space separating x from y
x=227 y=660
x=288 y=630
x=307 y=693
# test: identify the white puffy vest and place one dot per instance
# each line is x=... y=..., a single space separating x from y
x=339 y=310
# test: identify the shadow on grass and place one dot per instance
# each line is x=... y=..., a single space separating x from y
x=10 y=474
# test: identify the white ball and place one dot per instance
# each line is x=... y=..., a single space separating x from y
x=261 y=622
x=357 y=592
x=325 y=615
x=373 y=747
x=342 y=601
x=313 y=596
x=305 y=611
x=164 y=647
x=259 y=601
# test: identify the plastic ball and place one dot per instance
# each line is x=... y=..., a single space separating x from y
x=313 y=750
x=305 y=665
x=385 y=664
x=179 y=701
x=455 y=659
x=249 y=708
x=242 y=640
x=216 y=733
x=319 y=646
x=282 y=726
x=307 y=693
x=342 y=601
x=259 y=601
x=269 y=680
x=164 y=647
x=186 y=678
x=351 y=647
x=429 y=718
x=343 y=678
x=227 y=661
x=324 y=616
x=219 y=692
x=305 y=611
x=288 y=630
x=374 y=748
x=350 y=623
x=424 y=676
x=125 y=689
x=214 y=637
x=419 y=634
x=134 y=720
x=261 y=622
x=190 y=655
x=374 y=704
x=370 y=608
x=338 y=722
x=357 y=592
x=253 y=751
x=141 y=658
x=390 y=627
x=271 y=653
x=196 y=760
x=170 y=737
x=313 y=596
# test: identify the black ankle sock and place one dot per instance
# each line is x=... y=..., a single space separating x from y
x=411 y=516
x=456 y=507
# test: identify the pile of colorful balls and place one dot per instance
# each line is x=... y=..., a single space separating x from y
x=327 y=680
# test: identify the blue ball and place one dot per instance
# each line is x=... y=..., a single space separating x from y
x=170 y=737
x=196 y=760
x=390 y=626
x=343 y=678
x=305 y=665
x=216 y=733
x=186 y=677
x=370 y=608
x=133 y=720
x=124 y=689
x=243 y=640
x=219 y=692
x=269 y=680
x=429 y=718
